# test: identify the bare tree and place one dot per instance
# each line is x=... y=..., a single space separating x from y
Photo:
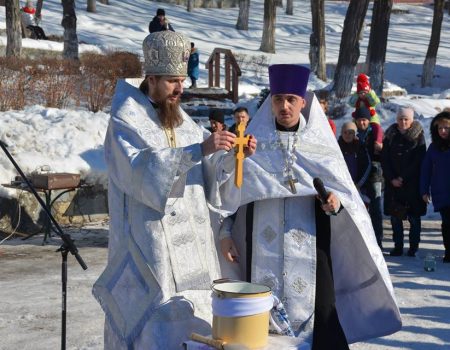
x=349 y=48
x=39 y=4
x=268 y=38
x=279 y=3
x=317 y=48
x=190 y=5
x=13 y=28
x=91 y=6
x=430 y=59
x=376 y=50
x=290 y=7
x=244 y=12
x=69 y=23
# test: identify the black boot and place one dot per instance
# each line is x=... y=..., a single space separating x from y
x=446 y=258
x=397 y=251
x=413 y=250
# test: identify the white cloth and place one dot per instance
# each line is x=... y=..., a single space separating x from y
x=284 y=229
x=162 y=259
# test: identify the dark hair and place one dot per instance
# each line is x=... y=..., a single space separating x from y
x=240 y=109
x=160 y=12
x=144 y=86
x=217 y=115
x=439 y=142
x=192 y=45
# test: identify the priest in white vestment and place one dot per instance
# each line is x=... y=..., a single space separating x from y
x=321 y=260
x=162 y=166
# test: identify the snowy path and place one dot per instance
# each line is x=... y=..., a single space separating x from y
x=30 y=297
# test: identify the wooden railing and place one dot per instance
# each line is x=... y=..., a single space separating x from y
x=231 y=70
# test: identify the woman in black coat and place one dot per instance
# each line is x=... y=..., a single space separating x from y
x=403 y=151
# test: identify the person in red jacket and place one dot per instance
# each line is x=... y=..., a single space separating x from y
x=31 y=22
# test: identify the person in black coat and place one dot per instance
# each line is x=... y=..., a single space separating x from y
x=403 y=151
x=356 y=156
x=374 y=186
x=160 y=23
x=240 y=115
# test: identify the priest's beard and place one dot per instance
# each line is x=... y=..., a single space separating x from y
x=168 y=111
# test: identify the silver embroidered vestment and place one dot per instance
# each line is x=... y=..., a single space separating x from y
x=162 y=257
x=283 y=254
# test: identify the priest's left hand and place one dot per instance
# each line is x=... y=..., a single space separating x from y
x=332 y=204
x=229 y=250
x=251 y=146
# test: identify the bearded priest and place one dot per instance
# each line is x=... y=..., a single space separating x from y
x=162 y=167
x=320 y=259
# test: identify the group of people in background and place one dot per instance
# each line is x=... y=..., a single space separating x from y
x=398 y=162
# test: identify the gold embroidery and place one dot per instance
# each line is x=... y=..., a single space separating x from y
x=170 y=135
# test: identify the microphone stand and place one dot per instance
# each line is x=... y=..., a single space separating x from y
x=67 y=246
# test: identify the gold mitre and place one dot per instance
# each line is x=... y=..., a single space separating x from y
x=166 y=53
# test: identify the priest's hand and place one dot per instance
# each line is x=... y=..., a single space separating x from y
x=251 y=146
x=229 y=250
x=219 y=140
x=332 y=204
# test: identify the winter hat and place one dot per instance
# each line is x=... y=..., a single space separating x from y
x=362 y=112
x=348 y=126
x=160 y=12
x=362 y=83
x=288 y=79
x=217 y=115
x=405 y=112
x=166 y=53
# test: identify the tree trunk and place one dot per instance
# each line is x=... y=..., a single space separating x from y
x=317 y=40
x=279 y=3
x=290 y=7
x=244 y=11
x=378 y=41
x=106 y=2
x=69 y=23
x=349 y=48
x=13 y=28
x=268 y=38
x=430 y=59
x=39 y=4
x=91 y=6
x=190 y=5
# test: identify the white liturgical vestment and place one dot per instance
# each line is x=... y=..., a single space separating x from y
x=162 y=259
x=284 y=237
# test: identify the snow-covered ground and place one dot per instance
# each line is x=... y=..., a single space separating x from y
x=30 y=294
x=71 y=140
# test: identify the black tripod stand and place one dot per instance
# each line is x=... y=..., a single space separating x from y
x=66 y=247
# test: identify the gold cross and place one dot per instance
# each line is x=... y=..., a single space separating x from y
x=291 y=182
x=240 y=142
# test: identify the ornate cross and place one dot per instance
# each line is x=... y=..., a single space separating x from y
x=291 y=181
x=240 y=142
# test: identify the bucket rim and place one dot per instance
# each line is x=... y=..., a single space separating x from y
x=221 y=287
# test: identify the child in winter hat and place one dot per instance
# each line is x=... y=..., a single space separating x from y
x=365 y=97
